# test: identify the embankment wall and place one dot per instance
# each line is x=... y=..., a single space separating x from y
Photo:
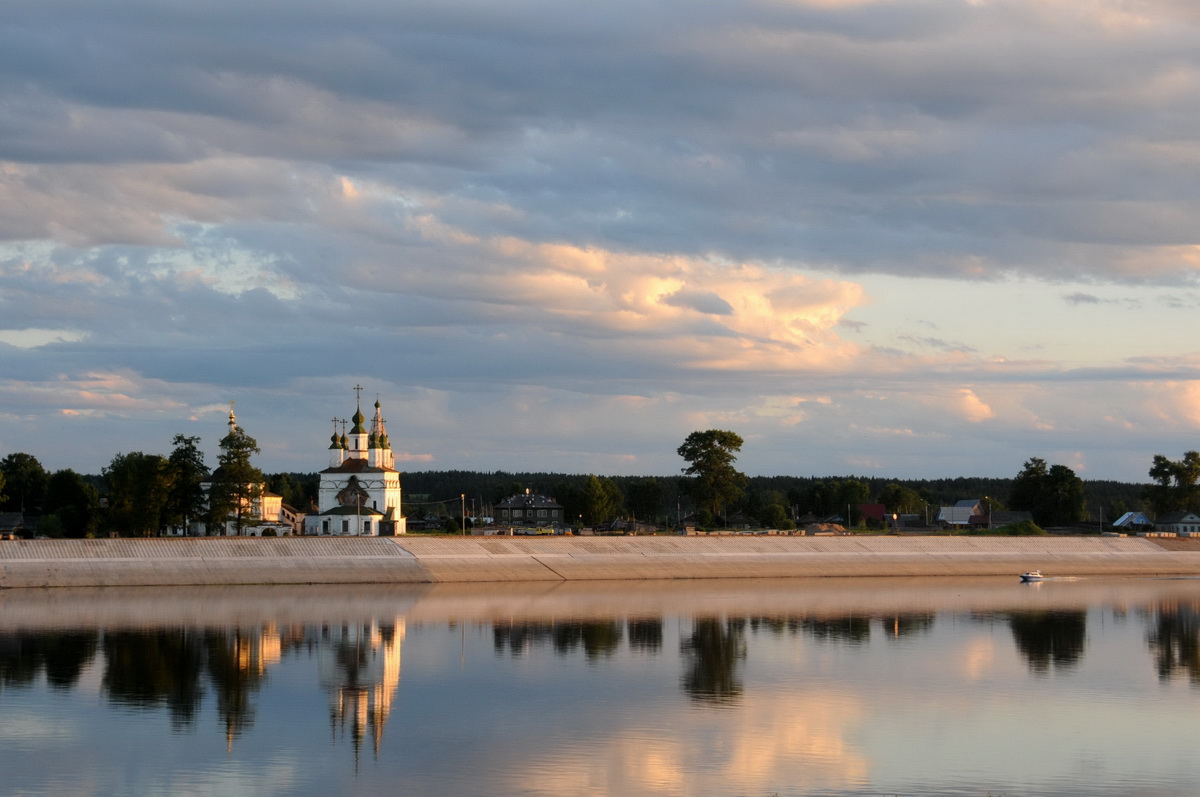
x=323 y=560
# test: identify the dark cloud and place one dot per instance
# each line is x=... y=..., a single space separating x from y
x=576 y=206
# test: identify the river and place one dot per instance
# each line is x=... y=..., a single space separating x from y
x=797 y=687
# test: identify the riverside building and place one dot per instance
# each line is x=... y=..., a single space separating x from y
x=359 y=492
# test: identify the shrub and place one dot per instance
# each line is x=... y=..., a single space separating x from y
x=1026 y=528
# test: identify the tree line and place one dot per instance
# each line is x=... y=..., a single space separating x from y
x=140 y=494
x=137 y=494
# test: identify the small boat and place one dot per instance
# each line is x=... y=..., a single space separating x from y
x=1032 y=575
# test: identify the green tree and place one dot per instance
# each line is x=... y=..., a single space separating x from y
x=297 y=490
x=851 y=494
x=186 y=473
x=900 y=499
x=644 y=497
x=821 y=499
x=136 y=487
x=73 y=502
x=1176 y=484
x=1054 y=495
x=602 y=500
x=776 y=517
x=236 y=483
x=712 y=454
x=24 y=482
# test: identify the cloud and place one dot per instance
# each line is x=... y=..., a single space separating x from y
x=606 y=218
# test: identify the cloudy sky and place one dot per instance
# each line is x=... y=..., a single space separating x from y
x=912 y=238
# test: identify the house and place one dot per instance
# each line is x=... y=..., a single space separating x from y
x=1184 y=523
x=875 y=512
x=960 y=514
x=1132 y=521
x=11 y=524
x=359 y=494
x=529 y=509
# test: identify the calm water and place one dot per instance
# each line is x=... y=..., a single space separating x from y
x=824 y=687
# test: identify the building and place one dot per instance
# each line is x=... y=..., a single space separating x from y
x=263 y=512
x=1132 y=521
x=359 y=492
x=1183 y=524
x=529 y=509
x=961 y=513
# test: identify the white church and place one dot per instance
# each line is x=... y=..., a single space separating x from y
x=359 y=493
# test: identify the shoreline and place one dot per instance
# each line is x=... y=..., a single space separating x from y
x=471 y=559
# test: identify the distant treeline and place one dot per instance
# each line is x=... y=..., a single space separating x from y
x=64 y=503
x=665 y=499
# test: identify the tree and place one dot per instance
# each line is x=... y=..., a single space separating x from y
x=900 y=499
x=716 y=482
x=644 y=497
x=237 y=484
x=297 y=490
x=186 y=473
x=776 y=517
x=24 y=482
x=1054 y=495
x=73 y=503
x=136 y=486
x=602 y=500
x=851 y=494
x=1175 y=485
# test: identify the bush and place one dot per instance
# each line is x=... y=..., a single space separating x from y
x=1025 y=528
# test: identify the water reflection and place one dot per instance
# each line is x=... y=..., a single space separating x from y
x=596 y=639
x=1049 y=638
x=712 y=653
x=152 y=669
x=177 y=669
x=1174 y=640
x=760 y=692
x=359 y=668
x=60 y=656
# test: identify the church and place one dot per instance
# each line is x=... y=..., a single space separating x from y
x=359 y=492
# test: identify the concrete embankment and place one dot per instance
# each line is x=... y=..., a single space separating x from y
x=416 y=560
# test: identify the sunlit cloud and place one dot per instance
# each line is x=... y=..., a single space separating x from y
x=592 y=230
x=767 y=741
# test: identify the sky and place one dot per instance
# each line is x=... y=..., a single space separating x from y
x=899 y=238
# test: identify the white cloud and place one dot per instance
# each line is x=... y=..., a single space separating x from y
x=844 y=227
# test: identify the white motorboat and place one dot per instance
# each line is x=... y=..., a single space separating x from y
x=1032 y=575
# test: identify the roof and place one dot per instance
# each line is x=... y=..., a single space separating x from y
x=350 y=509
x=356 y=465
x=1177 y=517
x=528 y=501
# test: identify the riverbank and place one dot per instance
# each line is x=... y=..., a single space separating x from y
x=430 y=560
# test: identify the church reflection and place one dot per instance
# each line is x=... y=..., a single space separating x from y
x=176 y=669
x=185 y=671
x=359 y=668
